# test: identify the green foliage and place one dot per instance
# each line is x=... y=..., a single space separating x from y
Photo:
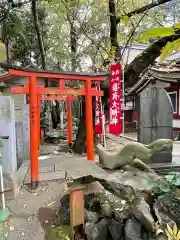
x=157 y=32
x=124 y=19
x=91 y=22
x=167 y=184
x=3 y=57
x=170 y=47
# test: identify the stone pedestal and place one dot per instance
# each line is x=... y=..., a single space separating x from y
x=7 y=128
x=155 y=119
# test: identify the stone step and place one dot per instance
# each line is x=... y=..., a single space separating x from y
x=165 y=168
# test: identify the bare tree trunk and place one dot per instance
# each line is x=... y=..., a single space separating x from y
x=80 y=142
x=113 y=28
x=73 y=40
x=38 y=32
x=6 y=42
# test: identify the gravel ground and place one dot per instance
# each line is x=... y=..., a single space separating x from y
x=32 y=213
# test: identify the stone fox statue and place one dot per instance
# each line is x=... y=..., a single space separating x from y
x=133 y=154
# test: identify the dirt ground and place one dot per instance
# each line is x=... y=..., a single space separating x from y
x=32 y=214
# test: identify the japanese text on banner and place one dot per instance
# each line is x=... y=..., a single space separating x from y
x=115 y=99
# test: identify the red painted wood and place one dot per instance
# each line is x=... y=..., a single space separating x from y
x=57 y=91
x=34 y=140
x=89 y=122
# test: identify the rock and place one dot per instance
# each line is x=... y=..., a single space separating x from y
x=108 y=205
x=141 y=211
x=162 y=216
x=159 y=237
x=91 y=217
x=93 y=187
x=115 y=229
x=106 y=210
x=63 y=217
x=132 y=230
x=87 y=200
x=170 y=204
x=98 y=231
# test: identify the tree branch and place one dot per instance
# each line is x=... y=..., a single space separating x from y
x=146 y=58
x=144 y=8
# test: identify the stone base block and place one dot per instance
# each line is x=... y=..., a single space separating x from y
x=162 y=157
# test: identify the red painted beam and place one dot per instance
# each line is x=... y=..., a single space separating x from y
x=58 y=98
x=57 y=91
x=57 y=75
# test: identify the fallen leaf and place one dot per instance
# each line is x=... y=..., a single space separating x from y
x=11 y=228
x=123 y=202
x=51 y=203
x=159 y=231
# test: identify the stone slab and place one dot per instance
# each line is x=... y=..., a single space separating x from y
x=57 y=167
x=47 y=168
x=155 y=115
x=48 y=176
x=80 y=168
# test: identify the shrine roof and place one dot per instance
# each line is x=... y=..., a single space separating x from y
x=32 y=70
x=163 y=73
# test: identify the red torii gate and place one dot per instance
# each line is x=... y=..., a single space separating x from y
x=25 y=90
x=88 y=92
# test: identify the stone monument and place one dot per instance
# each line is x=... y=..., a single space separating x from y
x=155 y=120
x=7 y=129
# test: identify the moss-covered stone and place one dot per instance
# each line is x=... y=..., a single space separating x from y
x=131 y=151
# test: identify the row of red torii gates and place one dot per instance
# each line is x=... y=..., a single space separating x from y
x=36 y=93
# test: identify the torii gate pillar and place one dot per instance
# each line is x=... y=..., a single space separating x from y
x=34 y=137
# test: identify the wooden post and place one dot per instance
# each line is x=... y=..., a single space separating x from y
x=34 y=140
x=69 y=115
x=76 y=208
x=89 y=121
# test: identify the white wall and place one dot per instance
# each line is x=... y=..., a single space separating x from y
x=130 y=52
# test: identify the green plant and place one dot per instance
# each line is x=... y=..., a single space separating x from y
x=170 y=47
x=165 y=185
x=173 y=233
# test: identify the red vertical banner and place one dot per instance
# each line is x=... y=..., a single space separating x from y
x=115 y=126
x=98 y=113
